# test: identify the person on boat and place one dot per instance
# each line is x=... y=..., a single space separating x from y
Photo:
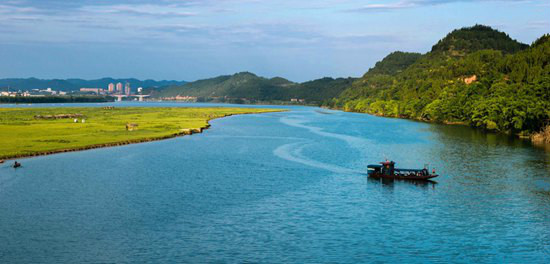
x=433 y=171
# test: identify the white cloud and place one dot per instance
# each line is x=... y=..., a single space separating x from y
x=143 y=9
x=390 y=6
x=419 y=3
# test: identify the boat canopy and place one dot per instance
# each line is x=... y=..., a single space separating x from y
x=374 y=166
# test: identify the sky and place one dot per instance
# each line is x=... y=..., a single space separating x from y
x=197 y=39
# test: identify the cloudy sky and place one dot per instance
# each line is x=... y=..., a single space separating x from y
x=193 y=39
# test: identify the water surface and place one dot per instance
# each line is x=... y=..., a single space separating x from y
x=282 y=187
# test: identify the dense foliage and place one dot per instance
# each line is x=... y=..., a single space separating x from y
x=248 y=87
x=320 y=90
x=495 y=84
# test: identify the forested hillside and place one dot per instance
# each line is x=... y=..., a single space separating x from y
x=248 y=87
x=240 y=85
x=477 y=76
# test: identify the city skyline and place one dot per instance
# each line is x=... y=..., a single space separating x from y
x=197 y=39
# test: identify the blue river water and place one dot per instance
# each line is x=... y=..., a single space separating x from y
x=285 y=187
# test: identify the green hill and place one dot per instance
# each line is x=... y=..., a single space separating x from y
x=395 y=63
x=470 y=39
x=241 y=85
x=477 y=76
x=321 y=90
x=248 y=87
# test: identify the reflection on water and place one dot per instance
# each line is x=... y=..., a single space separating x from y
x=390 y=182
x=283 y=188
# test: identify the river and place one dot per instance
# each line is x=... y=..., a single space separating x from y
x=286 y=187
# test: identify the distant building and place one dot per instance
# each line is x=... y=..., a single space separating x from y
x=111 y=88
x=127 y=88
x=139 y=90
x=119 y=87
x=47 y=90
x=91 y=90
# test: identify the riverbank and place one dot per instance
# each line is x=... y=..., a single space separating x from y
x=540 y=138
x=28 y=132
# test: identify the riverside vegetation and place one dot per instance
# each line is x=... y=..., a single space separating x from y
x=37 y=131
x=476 y=76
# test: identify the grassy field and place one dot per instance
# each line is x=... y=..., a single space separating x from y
x=22 y=134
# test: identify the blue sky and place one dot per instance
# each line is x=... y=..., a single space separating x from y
x=194 y=39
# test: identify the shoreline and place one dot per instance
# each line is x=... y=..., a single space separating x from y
x=183 y=132
x=529 y=137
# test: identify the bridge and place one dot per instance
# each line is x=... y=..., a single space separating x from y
x=120 y=96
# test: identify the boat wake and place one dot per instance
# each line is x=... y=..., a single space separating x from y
x=293 y=152
x=355 y=142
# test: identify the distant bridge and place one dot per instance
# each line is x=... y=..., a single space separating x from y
x=120 y=96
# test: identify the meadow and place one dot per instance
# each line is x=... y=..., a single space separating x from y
x=34 y=131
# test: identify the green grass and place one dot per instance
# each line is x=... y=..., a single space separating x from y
x=23 y=135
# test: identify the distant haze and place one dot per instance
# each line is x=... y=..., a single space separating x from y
x=195 y=39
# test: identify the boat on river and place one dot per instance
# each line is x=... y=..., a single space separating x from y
x=387 y=170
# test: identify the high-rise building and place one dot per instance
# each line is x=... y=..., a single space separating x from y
x=127 y=89
x=111 y=88
x=119 y=87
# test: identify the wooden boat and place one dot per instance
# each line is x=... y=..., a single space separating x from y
x=387 y=170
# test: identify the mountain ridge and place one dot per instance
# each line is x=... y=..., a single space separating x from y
x=74 y=84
